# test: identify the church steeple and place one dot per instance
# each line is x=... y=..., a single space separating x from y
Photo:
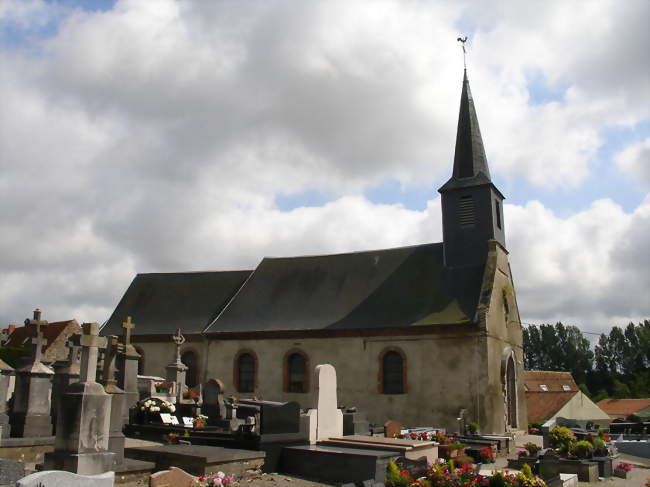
x=471 y=204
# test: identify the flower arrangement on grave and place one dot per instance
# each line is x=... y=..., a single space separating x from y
x=485 y=455
x=171 y=438
x=218 y=479
x=532 y=449
x=600 y=447
x=163 y=387
x=535 y=428
x=439 y=438
x=622 y=469
x=153 y=406
x=581 y=449
x=561 y=439
x=472 y=428
x=190 y=394
x=199 y=422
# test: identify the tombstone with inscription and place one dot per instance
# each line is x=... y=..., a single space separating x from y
x=214 y=406
x=127 y=369
x=5 y=373
x=116 y=437
x=30 y=416
x=325 y=420
x=66 y=372
x=177 y=369
x=82 y=429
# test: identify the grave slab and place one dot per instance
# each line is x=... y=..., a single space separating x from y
x=336 y=464
x=11 y=471
x=411 y=449
x=59 y=478
x=198 y=459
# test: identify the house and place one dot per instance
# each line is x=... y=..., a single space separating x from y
x=416 y=333
x=555 y=394
x=55 y=336
x=622 y=408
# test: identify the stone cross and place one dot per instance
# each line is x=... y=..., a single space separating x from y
x=36 y=326
x=178 y=339
x=110 y=356
x=90 y=343
x=73 y=355
x=127 y=325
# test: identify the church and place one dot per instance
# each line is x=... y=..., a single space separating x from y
x=416 y=333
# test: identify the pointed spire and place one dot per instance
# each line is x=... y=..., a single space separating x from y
x=469 y=158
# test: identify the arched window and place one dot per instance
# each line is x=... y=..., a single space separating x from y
x=392 y=372
x=140 y=360
x=295 y=372
x=245 y=372
x=190 y=359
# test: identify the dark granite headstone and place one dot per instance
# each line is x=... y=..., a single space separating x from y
x=274 y=417
x=213 y=402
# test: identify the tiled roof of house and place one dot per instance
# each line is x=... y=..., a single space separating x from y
x=549 y=381
x=543 y=405
x=623 y=407
x=20 y=336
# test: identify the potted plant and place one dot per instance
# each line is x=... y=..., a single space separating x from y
x=561 y=439
x=451 y=450
x=582 y=449
x=171 y=438
x=163 y=387
x=473 y=428
x=217 y=479
x=623 y=469
x=532 y=449
x=199 y=422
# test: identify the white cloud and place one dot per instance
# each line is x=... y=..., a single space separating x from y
x=635 y=161
x=156 y=136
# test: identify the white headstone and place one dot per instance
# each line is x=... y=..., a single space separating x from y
x=329 y=418
x=59 y=478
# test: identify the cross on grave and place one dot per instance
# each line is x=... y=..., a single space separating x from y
x=35 y=327
x=113 y=347
x=178 y=339
x=127 y=325
x=90 y=343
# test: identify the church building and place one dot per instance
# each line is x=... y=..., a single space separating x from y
x=416 y=333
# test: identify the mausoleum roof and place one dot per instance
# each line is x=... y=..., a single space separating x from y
x=406 y=286
x=158 y=303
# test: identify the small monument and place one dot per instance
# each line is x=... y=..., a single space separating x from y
x=5 y=372
x=30 y=416
x=177 y=369
x=116 y=437
x=65 y=373
x=214 y=406
x=127 y=369
x=82 y=429
x=325 y=420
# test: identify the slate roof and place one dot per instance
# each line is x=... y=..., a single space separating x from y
x=158 y=303
x=554 y=381
x=406 y=286
x=623 y=407
x=470 y=163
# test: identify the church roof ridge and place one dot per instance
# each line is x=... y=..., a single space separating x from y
x=209 y=271
x=353 y=252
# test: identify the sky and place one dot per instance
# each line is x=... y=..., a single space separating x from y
x=161 y=135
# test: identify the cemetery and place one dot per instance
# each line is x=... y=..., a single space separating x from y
x=68 y=425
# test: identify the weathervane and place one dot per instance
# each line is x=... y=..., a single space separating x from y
x=463 y=41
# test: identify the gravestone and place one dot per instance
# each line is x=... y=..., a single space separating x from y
x=82 y=429
x=214 y=406
x=5 y=373
x=30 y=416
x=174 y=477
x=65 y=373
x=127 y=369
x=11 y=471
x=56 y=478
x=116 y=437
x=325 y=419
x=177 y=369
x=392 y=429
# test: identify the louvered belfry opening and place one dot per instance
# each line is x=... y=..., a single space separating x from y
x=466 y=212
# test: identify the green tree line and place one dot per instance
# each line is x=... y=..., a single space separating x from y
x=618 y=366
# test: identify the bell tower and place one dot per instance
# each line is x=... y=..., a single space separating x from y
x=472 y=206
